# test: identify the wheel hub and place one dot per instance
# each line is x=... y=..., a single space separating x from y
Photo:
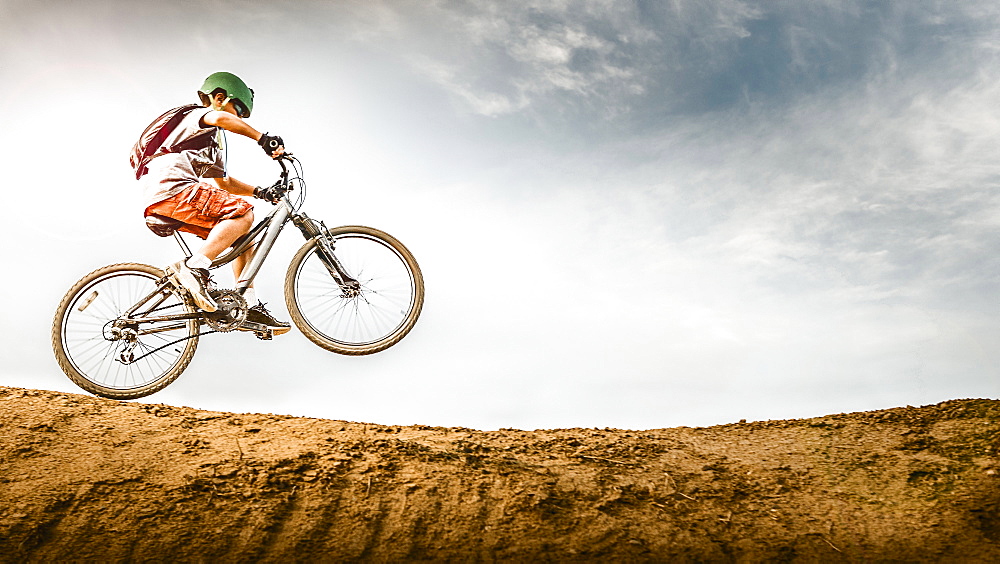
x=350 y=289
x=118 y=330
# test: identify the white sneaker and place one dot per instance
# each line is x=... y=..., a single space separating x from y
x=195 y=281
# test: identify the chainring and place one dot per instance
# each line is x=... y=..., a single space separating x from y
x=231 y=313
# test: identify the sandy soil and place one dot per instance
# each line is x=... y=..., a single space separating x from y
x=83 y=478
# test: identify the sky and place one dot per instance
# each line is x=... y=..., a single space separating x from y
x=629 y=214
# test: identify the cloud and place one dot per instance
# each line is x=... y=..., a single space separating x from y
x=643 y=64
x=501 y=58
x=626 y=208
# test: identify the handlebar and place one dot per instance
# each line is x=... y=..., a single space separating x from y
x=281 y=161
x=284 y=181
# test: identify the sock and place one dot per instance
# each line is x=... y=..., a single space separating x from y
x=199 y=261
x=250 y=296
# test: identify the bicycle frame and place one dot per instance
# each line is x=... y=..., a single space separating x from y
x=262 y=235
x=127 y=330
x=268 y=230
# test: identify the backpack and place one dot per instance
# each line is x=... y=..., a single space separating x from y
x=150 y=143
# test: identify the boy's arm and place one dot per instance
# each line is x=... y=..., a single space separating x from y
x=229 y=122
x=233 y=186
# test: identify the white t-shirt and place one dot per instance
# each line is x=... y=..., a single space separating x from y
x=171 y=173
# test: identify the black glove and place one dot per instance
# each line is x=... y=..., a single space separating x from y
x=270 y=143
x=272 y=193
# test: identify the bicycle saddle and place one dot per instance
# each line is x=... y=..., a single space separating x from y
x=162 y=225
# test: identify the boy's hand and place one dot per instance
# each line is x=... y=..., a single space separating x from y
x=272 y=193
x=273 y=145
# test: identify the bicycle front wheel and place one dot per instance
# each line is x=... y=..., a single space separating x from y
x=112 y=334
x=372 y=318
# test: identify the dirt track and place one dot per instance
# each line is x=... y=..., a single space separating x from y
x=83 y=478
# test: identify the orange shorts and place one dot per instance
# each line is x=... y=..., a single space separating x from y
x=201 y=207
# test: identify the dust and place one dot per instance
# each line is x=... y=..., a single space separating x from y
x=84 y=478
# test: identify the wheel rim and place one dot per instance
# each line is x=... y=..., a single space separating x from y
x=387 y=294
x=98 y=358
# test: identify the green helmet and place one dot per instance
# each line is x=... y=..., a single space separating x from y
x=235 y=88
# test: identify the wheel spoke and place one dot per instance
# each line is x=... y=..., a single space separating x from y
x=378 y=314
x=90 y=352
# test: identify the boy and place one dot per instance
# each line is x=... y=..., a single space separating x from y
x=174 y=186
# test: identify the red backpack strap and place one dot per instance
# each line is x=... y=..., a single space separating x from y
x=151 y=141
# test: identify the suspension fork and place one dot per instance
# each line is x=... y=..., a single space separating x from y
x=315 y=230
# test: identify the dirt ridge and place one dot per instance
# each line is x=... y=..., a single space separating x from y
x=83 y=478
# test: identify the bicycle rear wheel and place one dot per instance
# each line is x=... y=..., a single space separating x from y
x=109 y=357
x=370 y=320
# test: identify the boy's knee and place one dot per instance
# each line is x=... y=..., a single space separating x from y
x=245 y=220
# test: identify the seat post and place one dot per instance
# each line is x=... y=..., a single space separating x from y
x=182 y=243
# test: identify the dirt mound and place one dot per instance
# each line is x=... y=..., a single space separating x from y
x=83 y=478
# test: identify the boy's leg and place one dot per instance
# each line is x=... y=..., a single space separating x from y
x=193 y=273
x=257 y=313
x=213 y=214
x=220 y=218
x=221 y=236
x=241 y=262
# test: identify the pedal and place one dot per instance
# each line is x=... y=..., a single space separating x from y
x=263 y=332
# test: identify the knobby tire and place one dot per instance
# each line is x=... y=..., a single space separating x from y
x=392 y=292
x=92 y=361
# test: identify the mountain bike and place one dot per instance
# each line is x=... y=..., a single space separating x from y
x=125 y=331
